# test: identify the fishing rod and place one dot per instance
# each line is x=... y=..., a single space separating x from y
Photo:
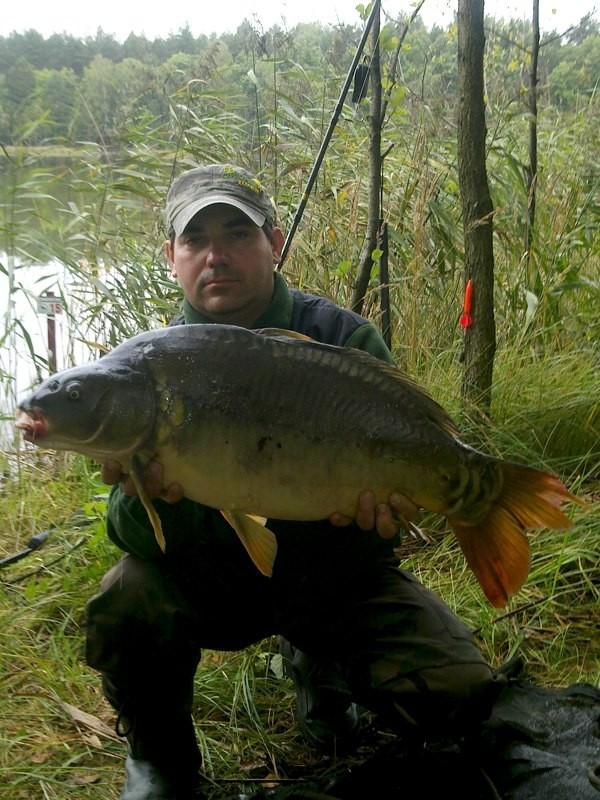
x=34 y=543
x=329 y=133
x=79 y=518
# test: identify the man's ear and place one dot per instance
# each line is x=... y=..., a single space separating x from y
x=277 y=241
x=170 y=257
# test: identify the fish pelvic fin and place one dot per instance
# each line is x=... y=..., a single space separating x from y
x=259 y=541
x=496 y=547
x=136 y=470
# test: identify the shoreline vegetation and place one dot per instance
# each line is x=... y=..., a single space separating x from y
x=83 y=187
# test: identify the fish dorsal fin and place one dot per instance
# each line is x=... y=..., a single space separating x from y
x=278 y=332
x=421 y=396
x=258 y=540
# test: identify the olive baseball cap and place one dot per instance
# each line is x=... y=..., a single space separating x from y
x=205 y=186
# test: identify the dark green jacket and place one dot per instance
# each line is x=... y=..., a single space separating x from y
x=190 y=525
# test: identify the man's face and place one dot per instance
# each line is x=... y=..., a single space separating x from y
x=224 y=264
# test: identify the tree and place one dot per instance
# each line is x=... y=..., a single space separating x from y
x=531 y=171
x=97 y=106
x=55 y=101
x=477 y=210
x=19 y=85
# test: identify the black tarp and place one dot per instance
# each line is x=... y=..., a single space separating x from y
x=539 y=744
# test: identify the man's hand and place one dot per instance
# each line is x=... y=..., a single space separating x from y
x=386 y=518
x=112 y=472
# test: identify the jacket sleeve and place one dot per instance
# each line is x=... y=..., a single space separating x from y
x=129 y=527
x=367 y=337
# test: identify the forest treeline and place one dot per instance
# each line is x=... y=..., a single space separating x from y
x=68 y=89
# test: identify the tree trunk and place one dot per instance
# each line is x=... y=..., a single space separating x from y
x=532 y=167
x=477 y=210
x=371 y=238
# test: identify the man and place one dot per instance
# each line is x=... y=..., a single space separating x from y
x=355 y=628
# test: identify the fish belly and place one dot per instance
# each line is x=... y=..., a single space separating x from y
x=285 y=477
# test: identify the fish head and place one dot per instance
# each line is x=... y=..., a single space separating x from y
x=102 y=411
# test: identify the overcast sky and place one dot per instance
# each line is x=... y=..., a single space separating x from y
x=157 y=18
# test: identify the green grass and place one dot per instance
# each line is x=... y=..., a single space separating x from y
x=546 y=416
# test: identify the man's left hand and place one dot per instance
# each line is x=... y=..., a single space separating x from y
x=386 y=518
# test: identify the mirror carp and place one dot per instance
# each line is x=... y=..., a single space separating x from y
x=269 y=424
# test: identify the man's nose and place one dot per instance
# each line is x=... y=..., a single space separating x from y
x=217 y=253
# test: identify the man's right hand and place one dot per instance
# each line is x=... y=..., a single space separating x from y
x=112 y=472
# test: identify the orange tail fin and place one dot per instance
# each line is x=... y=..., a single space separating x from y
x=497 y=549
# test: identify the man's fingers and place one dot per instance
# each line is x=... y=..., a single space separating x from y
x=365 y=511
x=386 y=524
x=111 y=472
x=340 y=520
x=403 y=507
x=386 y=518
x=173 y=493
x=153 y=479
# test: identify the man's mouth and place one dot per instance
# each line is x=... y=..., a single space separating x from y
x=220 y=282
x=218 y=279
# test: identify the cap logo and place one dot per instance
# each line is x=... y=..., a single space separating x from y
x=249 y=183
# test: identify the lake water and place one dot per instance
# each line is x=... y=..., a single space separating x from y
x=24 y=352
x=49 y=211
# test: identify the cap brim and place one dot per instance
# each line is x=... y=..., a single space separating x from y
x=183 y=219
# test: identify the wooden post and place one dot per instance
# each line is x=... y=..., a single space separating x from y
x=50 y=305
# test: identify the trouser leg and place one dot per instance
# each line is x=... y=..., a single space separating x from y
x=140 y=637
x=406 y=656
x=420 y=667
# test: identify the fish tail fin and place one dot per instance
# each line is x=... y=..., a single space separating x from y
x=496 y=547
x=259 y=541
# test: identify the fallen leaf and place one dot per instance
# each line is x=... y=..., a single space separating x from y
x=92 y=740
x=89 y=721
x=40 y=757
x=86 y=779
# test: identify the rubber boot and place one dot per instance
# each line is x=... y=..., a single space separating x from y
x=164 y=761
x=327 y=718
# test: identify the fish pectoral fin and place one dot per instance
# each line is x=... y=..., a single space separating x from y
x=258 y=540
x=136 y=470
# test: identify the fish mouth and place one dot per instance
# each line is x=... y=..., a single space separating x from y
x=32 y=423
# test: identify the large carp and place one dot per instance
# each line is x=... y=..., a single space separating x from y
x=264 y=423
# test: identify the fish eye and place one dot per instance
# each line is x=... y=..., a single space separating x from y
x=73 y=390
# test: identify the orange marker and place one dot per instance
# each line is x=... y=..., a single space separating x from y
x=466 y=320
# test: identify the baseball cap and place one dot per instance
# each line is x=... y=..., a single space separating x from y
x=205 y=186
